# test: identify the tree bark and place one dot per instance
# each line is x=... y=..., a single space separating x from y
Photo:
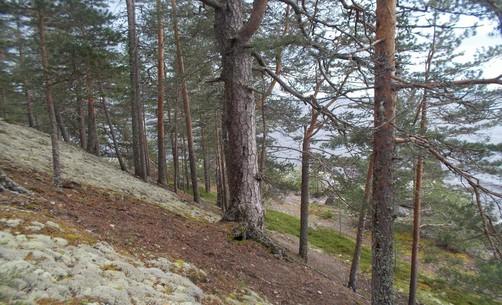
x=383 y=148
x=304 y=197
x=186 y=105
x=233 y=36
x=161 y=160
x=56 y=165
x=223 y=192
x=354 y=267
x=112 y=134
x=81 y=123
x=26 y=86
x=186 y=182
x=207 y=177
x=92 y=135
x=61 y=126
x=174 y=144
x=417 y=191
x=138 y=130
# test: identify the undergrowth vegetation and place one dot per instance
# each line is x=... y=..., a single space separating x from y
x=432 y=289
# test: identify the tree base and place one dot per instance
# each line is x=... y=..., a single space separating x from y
x=7 y=184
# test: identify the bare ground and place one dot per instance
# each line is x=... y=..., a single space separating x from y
x=142 y=229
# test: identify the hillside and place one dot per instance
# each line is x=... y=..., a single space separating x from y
x=109 y=238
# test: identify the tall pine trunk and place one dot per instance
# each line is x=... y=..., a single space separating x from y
x=26 y=86
x=207 y=176
x=186 y=105
x=174 y=146
x=161 y=160
x=92 y=134
x=138 y=130
x=354 y=267
x=56 y=165
x=383 y=148
x=304 y=197
x=233 y=36
x=81 y=123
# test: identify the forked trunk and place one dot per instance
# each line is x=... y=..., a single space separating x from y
x=239 y=115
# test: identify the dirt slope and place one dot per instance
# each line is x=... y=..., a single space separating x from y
x=146 y=227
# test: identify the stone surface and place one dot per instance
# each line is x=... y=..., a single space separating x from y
x=36 y=266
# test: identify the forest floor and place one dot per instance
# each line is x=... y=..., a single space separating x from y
x=157 y=226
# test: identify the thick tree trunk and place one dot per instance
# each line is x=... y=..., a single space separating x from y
x=81 y=123
x=161 y=160
x=383 y=148
x=207 y=177
x=112 y=134
x=354 y=267
x=138 y=130
x=240 y=117
x=56 y=166
x=186 y=105
x=92 y=134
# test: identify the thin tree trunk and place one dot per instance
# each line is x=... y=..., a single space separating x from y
x=224 y=199
x=186 y=176
x=239 y=115
x=383 y=148
x=419 y=172
x=138 y=130
x=112 y=134
x=62 y=128
x=56 y=166
x=186 y=105
x=354 y=267
x=26 y=88
x=304 y=197
x=81 y=123
x=207 y=179
x=92 y=135
x=174 y=139
x=268 y=92
x=3 y=105
x=161 y=161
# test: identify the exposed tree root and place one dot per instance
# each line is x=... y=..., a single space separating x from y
x=7 y=184
x=242 y=232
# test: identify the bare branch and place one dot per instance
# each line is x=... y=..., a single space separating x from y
x=248 y=29
x=401 y=83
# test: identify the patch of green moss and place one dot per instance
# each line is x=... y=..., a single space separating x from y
x=432 y=291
